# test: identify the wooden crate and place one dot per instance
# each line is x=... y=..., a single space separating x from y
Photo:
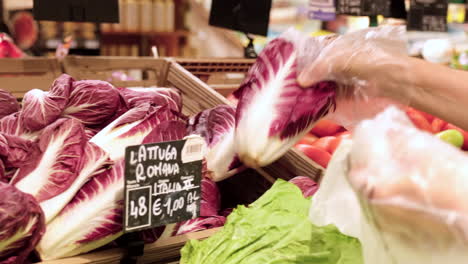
x=21 y=75
x=214 y=71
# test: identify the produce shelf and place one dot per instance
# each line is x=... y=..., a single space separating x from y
x=197 y=96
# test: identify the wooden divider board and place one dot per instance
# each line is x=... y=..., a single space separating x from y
x=161 y=251
x=210 y=70
x=21 y=75
x=211 y=65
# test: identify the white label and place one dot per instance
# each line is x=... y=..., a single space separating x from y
x=194 y=149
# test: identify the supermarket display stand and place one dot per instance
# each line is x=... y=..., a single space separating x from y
x=197 y=96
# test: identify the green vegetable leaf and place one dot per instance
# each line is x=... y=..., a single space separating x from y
x=274 y=230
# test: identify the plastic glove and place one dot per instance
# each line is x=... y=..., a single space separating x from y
x=368 y=65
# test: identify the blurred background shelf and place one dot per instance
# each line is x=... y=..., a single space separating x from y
x=140 y=43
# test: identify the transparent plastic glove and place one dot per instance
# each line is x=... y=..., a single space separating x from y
x=413 y=190
x=370 y=67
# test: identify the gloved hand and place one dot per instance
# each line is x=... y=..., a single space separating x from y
x=369 y=62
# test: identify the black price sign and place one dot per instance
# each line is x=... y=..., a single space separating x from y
x=428 y=15
x=77 y=10
x=363 y=7
x=162 y=183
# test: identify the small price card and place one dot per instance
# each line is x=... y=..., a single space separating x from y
x=363 y=7
x=162 y=183
x=428 y=15
x=322 y=10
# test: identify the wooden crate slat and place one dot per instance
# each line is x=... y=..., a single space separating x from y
x=29 y=65
x=101 y=68
x=18 y=76
x=194 y=89
x=164 y=249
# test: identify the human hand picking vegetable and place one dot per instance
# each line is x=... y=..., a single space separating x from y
x=373 y=63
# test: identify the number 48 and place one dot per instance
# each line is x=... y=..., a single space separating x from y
x=140 y=209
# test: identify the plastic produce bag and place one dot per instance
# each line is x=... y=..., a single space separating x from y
x=410 y=192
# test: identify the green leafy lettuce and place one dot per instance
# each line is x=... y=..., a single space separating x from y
x=274 y=230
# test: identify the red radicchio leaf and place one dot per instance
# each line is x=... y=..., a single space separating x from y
x=151 y=235
x=90 y=133
x=42 y=108
x=99 y=203
x=199 y=224
x=55 y=162
x=22 y=220
x=132 y=128
x=294 y=108
x=3 y=176
x=167 y=131
x=92 y=102
x=209 y=211
x=211 y=198
x=217 y=127
x=156 y=96
x=213 y=124
x=15 y=151
x=306 y=184
x=274 y=112
x=8 y=104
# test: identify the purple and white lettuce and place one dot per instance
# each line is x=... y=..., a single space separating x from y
x=209 y=211
x=217 y=127
x=307 y=185
x=93 y=162
x=55 y=161
x=94 y=217
x=131 y=129
x=12 y=125
x=274 y=112
x=22 y=224
x=14 y=150
x=91 y=220
x=8 y=104
x=41 y=109
x=94 y=103
x=157 y=96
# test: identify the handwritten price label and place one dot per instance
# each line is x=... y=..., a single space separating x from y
x=162 y=183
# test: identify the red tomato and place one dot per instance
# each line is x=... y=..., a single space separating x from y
x=346 y=134
x=307 y=139
x=316 y=154
x=324 y=143
x=325 y=128
x=427 y=116
x=438 y=125
x=465 y=134
x=419 y=120
x=232 y=99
